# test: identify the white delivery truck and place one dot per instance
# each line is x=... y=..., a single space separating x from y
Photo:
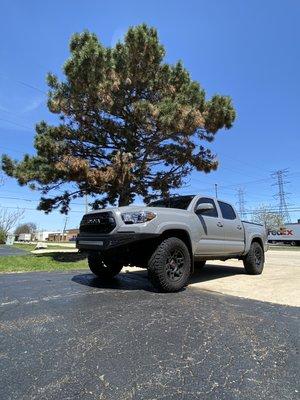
x=287 y=234
x=24 y=237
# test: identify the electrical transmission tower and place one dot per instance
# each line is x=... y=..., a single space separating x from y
x=241 y=203
x=281 y=195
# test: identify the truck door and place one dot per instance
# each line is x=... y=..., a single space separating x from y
x=234 y=241
x=211 y=230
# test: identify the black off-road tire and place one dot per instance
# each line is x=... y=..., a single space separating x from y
x=163 y=273
x=199 y=264
x=104 y=267
x=254 y=260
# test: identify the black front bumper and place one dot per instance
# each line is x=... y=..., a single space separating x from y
x=103 y=242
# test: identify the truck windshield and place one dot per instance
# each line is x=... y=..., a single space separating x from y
x=181 y=202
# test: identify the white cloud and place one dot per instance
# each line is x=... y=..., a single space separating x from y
x=33 y=105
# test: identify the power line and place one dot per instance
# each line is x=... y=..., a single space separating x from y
x=31 y=200
x=15 y=123
x=34 y=209
x=24 y=84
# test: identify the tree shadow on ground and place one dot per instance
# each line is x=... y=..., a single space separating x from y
x=138 y=280
x=63 y=257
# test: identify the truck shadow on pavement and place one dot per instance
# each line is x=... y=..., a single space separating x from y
x=211 y=272
x=63 y=257
x=138 y=280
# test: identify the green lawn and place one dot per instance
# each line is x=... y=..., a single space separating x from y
x=43 y=262
x=30 y=247
x=24 y=246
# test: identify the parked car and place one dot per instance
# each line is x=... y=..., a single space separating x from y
x=170 y=238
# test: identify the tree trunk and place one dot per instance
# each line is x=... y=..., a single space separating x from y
x=124 y=200
x=124 y=197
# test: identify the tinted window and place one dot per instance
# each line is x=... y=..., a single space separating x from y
x=226 y=210
x=181 y=202
x=208 y=213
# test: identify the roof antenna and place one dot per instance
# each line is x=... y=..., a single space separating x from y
x=216 y=190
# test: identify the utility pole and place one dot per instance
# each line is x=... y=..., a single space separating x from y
x=281 y=195
x=241 y=202
x=64 y=228
x=216 y=190
x=86 y=203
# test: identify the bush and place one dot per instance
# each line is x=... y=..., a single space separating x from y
x=2 y=236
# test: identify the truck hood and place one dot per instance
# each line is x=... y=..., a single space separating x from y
x=134 y=208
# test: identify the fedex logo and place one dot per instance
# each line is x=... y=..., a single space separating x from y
x=282 y=231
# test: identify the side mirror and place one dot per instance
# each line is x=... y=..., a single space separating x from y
x=203 y=207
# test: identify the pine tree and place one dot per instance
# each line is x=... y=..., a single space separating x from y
x=130 y=124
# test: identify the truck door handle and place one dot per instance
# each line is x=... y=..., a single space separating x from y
x=239 y=227
x=220 y=224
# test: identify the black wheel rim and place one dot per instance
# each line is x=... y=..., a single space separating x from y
x=258 y=257
x=175 y=265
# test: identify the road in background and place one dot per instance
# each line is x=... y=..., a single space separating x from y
x=11 y=251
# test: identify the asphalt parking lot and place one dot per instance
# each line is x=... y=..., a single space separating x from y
x=10 y=251
x=68 y=336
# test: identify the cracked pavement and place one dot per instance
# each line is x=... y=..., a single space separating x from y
x=68 y=336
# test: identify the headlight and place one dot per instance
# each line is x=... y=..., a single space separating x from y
x=137 y=217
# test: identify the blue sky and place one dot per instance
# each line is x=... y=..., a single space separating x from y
x=248 y=50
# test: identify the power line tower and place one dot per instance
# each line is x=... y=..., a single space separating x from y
x=241 y=202
x=281 y=195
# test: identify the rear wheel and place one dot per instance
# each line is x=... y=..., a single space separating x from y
x=169 y=267
x=254 y=260
x=104 y=267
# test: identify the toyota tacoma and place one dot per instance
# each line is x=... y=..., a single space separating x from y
x=170 y=238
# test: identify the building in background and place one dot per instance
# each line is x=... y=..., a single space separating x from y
x=68 y=236
x=42 y=236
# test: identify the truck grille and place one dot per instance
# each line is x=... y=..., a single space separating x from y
x=103 y=222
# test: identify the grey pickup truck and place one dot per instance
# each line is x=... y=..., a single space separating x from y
x=170 y=238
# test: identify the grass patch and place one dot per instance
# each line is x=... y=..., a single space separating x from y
x=30 y=247
x=43 y=262
x=24 y=246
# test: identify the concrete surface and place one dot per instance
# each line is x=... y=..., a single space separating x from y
x=279 y=282
x=69 y=336
x=11 y=251
x=49 y=250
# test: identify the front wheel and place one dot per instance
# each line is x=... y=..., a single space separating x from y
x=254 y=260
x=104 y=267
x=169 y=267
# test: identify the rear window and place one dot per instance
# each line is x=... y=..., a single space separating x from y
x=227 y=211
